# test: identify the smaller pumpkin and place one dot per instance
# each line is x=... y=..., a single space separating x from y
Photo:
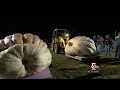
x=80 y=46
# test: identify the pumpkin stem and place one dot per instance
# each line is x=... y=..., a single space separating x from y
x=70 y=43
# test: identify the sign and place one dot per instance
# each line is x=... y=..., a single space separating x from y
x=94 y=68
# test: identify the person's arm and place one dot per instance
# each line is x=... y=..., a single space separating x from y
x=115 y=40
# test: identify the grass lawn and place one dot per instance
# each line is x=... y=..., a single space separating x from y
x=63 y=67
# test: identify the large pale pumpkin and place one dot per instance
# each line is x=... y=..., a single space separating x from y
x=23 y=55
x=80 y=46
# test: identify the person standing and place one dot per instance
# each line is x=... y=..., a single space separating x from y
x=100 y=41
x=95 y=40
x=107 y=44
x=111 y=44
x=117 y=44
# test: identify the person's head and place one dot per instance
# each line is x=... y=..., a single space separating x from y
x=98 y=36
x=118 y=33
x=108 y=35
x=94 y=36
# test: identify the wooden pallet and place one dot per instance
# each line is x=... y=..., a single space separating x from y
x=88 y=58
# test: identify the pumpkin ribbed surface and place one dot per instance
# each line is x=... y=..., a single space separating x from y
x=23 y=55
x=80 y=46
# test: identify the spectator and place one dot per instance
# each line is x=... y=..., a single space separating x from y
x=111 y=44
x=117 y=44
x=95 y=39
x=100 y=41
x=107 y=44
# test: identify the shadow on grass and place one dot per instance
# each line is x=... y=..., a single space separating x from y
x=101 y=61
x=64 y=69
x=62 y=53
x=88 y=76
x=115 y=63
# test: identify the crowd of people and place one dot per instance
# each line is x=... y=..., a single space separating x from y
x=105 y=44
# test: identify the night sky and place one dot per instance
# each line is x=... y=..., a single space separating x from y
x=42 y=22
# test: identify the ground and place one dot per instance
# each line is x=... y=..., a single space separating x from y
x=63 y=67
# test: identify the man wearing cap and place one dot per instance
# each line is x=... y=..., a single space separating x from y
x=117 y=43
